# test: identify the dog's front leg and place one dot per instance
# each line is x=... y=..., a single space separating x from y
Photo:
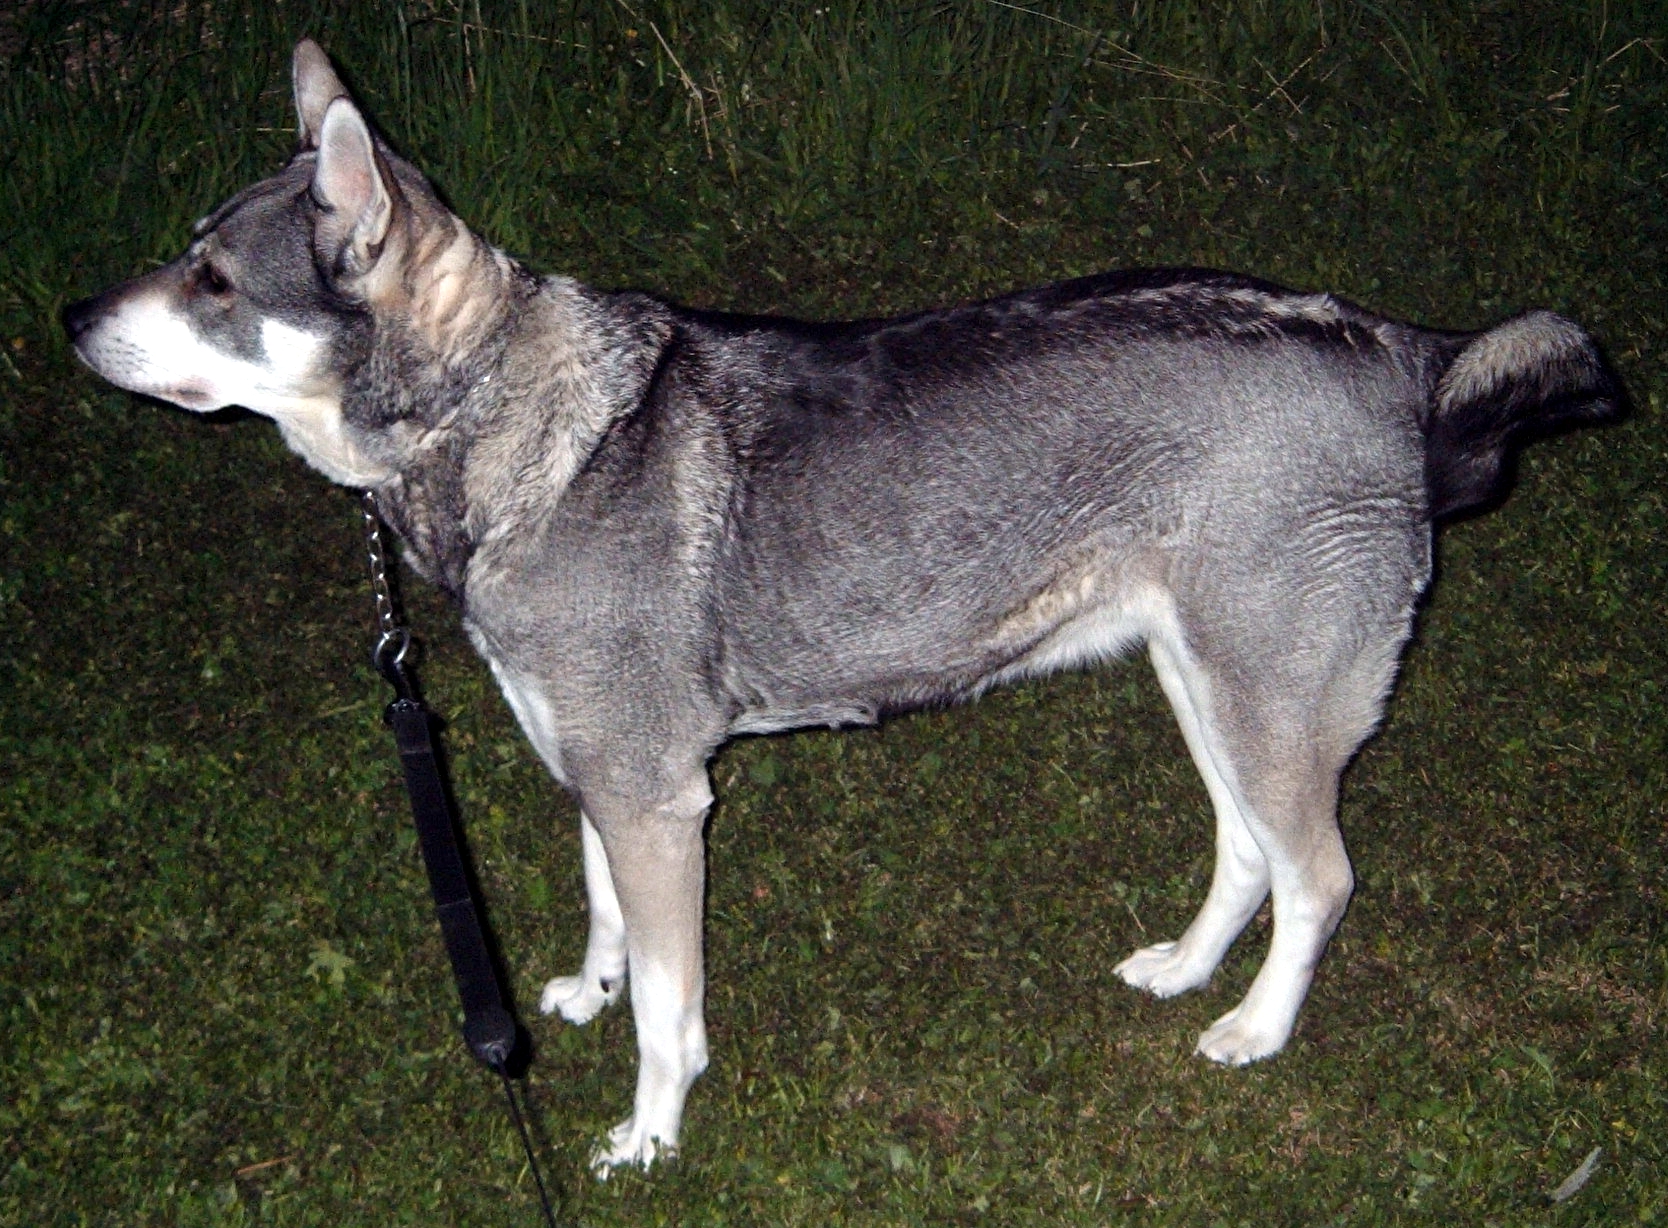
x=656 y=861
x=578 y=998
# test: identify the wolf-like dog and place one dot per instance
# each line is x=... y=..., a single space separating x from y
x=665 y=527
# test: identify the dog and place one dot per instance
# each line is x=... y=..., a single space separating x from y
x=665 y=527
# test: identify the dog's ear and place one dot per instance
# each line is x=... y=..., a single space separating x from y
x=354 y=190
x=316 y=87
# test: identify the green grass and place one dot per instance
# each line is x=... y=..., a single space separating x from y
x=223 y=999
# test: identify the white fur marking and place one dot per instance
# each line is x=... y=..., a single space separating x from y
x=146 y=346
x=672 y=1052
x=532 y=710
x=1094 y=634
x=579 y=998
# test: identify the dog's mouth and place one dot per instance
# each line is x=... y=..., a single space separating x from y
x=193 y=395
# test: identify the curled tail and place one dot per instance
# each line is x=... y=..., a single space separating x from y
x=1532 y=375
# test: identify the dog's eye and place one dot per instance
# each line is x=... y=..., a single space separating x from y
x=212 y=280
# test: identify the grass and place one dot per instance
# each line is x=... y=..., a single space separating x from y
x=222 y=997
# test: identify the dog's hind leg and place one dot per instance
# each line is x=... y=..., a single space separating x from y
x=1240 y=881
x=1271 y=731
x=578 y=998
x=656 y=860
x=1294 y=821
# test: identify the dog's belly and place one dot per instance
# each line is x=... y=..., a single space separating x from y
x=877 y=669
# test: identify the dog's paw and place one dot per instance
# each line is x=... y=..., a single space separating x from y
x=1237 y=1039
x=1163 y=970
x=628 y=1145
x=578 y=998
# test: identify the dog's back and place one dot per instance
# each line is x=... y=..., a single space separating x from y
x=921 y=506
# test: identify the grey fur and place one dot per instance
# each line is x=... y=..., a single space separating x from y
x=666 y=527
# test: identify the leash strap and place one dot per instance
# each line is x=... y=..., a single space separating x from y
x=489 y=1029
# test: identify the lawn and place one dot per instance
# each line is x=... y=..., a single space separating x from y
x=223 y=998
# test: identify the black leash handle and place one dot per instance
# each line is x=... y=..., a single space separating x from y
x=488 y=1027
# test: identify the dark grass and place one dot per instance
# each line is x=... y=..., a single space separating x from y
x=223 y=996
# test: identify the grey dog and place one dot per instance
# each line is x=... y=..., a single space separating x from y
x=665 y=527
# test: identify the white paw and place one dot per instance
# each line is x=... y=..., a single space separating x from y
x=1164 y=970
x=628 y=1145
x=1237 y=1039
x=578 y=998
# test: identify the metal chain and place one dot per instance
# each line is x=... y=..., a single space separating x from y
x=394 y=637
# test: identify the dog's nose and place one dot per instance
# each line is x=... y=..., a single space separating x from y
x=78 y=317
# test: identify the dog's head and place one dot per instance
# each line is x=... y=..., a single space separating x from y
x=280 y=285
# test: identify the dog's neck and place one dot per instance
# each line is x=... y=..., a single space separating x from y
x=485 y=435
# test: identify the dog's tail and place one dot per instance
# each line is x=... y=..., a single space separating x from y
x=1533 y=375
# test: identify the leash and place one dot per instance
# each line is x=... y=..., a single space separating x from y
x=489 y=1029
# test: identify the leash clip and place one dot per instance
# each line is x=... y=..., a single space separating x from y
x=392 y=649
